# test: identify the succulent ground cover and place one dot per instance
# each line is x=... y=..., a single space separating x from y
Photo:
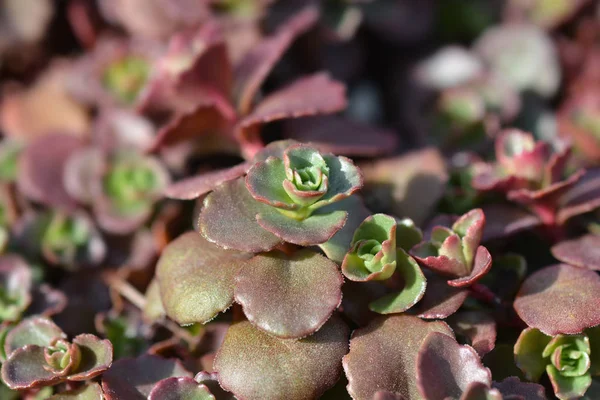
x=299 y=199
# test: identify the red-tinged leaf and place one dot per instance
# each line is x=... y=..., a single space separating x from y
x=196 y=122
x=512 y=386
x=581 y=198
x=385 y=395
x=481 y=266
x=440 y=299
x=91 y=391
x=446 y=369
x=312 y=95
x=478 y=327
x=196 y=278
x=427 y=255
x=505 y=220
x=383 y=356
x=289 y=296
x=265 y=183
x=409 y=185
x=581 y=252
x=253 y=69
x=192 y=188
x=316 y=229
x=82 y=171
x=134 y=378
x=342 y=136
x=481 y=391
x=229 y=219
x=26 y=368
x=551 y=193
x=180 y=389
x=273 y=149
x=470 y=228
x=46 y=301
x=211 y=381
x=32 y=331
x=254 y=365
x=560 y=299
x=41 y=167
x=96 y=357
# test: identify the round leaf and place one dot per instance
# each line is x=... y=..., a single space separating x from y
x=229 y=219
x=255 y=365
x=289 y=297
x=560 y=299
x=32 y=331
x=96 y=357
x=383 y=356
x=581 y=252
x=447 y=369
x=26 y=368
x=196 y=278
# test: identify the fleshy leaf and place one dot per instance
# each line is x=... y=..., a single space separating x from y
x=229 y=214
x=96 y=357
x=15 y=287
x=289 y=296
x=503 y=220
x=512 y=386
x=528 y=353
x=339 y=244
x=41 y=167
x=560 y=299
x=254 y=365
x=196 y=278
x=134 y=378
x=446 y=369
x=478 y=327
x=91 y=391
x=568 y=387
x=192 y=188
x=383 y=356
x=252 y=70
x=412 y=291
x=342 y=136
x=32 y=331
x=581 y=252
x=26 y=368
x=481 y=265
x=440 y=299
x=180 y=389
x=373 y=252
x=408 y=235
x=316 y=229
x=313 y=95
x=265 y=183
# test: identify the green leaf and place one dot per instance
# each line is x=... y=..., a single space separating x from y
x=568 y=387
x=265 y=183
x=32 y=331
x=408 y=235
x=229 y=219
x=289 y=296
x=413 y=290
x=196 y=278
x=344 y=180
x=26 y=367
x=256 y=366
x=96 y=357
x=528 y=353
x=316 y=229
x=373 y=252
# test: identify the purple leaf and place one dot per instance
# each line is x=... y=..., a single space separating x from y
x=560 y=299
x=180 y=389
x=253 y=69
x=581 y=252
x=446 y=369
x=134 y=378
x=192 y=188
x=196 y=278
x=440 y=299
x=26 y=368
x=583 y=197
x=505 y=220
x=312 y=95
x=289 y=296
x=229 y=214
x=342 y=136
x=383 y=356
x=478 y=327
x=41 y=168
x=481 y=266
x=255 y=365
x=96 y=357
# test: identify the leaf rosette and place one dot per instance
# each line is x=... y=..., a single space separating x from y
x=292 y=193
x=569 y=360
